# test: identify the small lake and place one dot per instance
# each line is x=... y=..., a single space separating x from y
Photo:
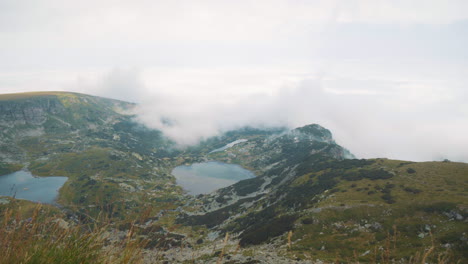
x=23 y=185
x=209 y=176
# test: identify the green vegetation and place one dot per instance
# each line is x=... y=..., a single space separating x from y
x=7 y=168
x=409 y=210
x=40 y=235
x=28 y=95
x=339 y=210
x=103 y=181
x=261 y=232
x=333 y=209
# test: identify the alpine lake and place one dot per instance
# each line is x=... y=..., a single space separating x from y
x=202 y=178
x=24 y=185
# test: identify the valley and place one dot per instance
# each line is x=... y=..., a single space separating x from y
x=307 y=199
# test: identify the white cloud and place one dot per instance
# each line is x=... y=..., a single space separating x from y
x=395 y=122
x=387 y=77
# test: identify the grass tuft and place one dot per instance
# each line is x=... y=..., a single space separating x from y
x=44 y=238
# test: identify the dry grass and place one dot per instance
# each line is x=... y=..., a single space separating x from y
x=42 y=239
x=390 y=249
x=38 y=240
x=19 y=96
x=37 y=237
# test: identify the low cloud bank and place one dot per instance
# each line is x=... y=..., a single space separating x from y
x=396 y=123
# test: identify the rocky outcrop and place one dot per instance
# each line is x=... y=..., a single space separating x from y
x=45 y=121
x=313 y=132
x=33 y=111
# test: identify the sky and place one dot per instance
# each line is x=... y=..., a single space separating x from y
x=389 y=78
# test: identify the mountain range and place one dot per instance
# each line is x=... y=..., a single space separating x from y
x=311 y=201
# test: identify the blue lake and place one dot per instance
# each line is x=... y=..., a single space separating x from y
x=209 y=176
x=23 y=185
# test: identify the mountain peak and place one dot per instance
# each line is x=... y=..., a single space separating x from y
x=313 y=132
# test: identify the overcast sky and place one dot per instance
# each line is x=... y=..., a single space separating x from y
x=389 y=78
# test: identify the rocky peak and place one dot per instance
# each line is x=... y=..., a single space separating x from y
x=313 y=132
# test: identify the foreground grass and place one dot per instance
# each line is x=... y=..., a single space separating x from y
x=41 y=236
x=38 y=239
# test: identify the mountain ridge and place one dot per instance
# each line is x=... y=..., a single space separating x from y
x=309 y=190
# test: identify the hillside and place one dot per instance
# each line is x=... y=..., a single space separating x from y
x=336 y=208
x=93 y=141
x=310 y=200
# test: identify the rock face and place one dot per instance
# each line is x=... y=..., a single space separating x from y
x=57 y=114
x=313 y=132
x=33 y=111
x=35 y=126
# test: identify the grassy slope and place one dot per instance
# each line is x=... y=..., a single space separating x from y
x=51 y=94
x=342 y=209
x=371 y=211
x=19 y=96
x=355 y=216
x=7 y=168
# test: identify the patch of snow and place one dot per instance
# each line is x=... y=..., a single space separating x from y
x=230 y=145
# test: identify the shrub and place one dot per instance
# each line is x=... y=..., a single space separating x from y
x=439 y=207
x=261 y=232
x=388 y=198
x=412 y=190
x=307 y=221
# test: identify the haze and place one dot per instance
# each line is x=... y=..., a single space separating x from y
x=388 y=78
